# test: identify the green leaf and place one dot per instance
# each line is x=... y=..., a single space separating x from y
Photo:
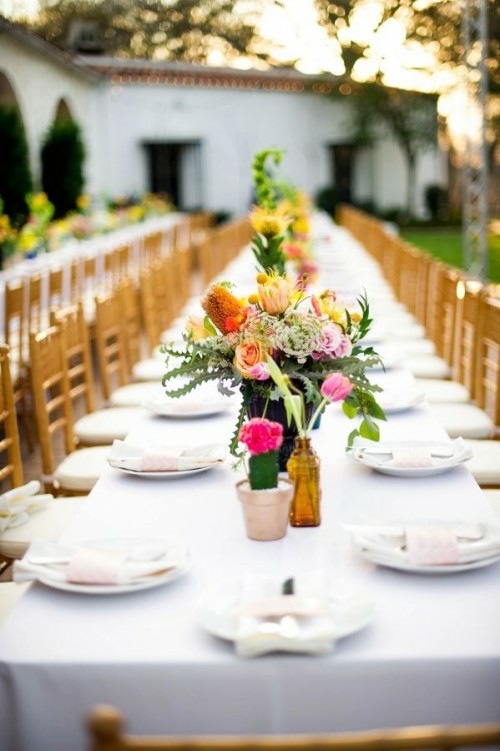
x=370 y=430
x=349 y=410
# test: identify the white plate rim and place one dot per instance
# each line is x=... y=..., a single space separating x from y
x=381 y=560
x=116 y=589
x=213 y=407
x=406 y=471
x=413 y=401
x=166 y=474
x=204 y=614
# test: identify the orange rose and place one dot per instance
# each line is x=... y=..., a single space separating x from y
x=246 y=356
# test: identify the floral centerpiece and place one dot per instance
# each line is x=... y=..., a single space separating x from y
x=308 y=337
x=270 y=217
x=32 y=238
x=8 y=236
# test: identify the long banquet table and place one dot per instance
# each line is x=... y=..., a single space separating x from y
x=431 y=653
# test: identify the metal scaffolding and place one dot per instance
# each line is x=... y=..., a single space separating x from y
x=475 y=172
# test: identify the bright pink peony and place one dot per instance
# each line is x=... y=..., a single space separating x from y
x=261 y=435
x=336 y=387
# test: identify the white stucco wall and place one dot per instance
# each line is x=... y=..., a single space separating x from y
x=230 y=125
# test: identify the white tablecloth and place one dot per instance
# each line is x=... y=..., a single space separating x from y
x=430 y=655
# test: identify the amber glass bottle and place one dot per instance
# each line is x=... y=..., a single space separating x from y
x=304 y=469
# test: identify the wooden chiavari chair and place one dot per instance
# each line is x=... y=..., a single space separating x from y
x=106 y=730
x=49 y=522
x=95 y=427
x=16 y=338
x=78 y=470
x=114 y=374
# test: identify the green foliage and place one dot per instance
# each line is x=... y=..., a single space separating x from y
x=326 y=199
x=62 y=158
x=268 y=253
x=436 y=201
x=178 y=30
x=15 y=175
x=265 y=186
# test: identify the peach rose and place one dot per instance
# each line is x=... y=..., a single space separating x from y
x=246 y=356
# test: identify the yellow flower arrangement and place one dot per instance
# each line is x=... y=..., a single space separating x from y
x=233 y=343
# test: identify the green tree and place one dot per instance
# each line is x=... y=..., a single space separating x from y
x=158 y=29
x=15 y=175
x=62 y=159
x=410 y=117
x=435 y=25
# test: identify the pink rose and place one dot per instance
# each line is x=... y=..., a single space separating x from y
x=260 y=371
x=336 y=387
x=344 y=348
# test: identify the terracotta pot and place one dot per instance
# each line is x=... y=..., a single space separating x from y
x=265 y=511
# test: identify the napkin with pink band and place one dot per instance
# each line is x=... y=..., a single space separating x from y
x=17 y=504
x=164 y=458
x=96 y=563
x=413 y=455
x=438 y=544
x=269 y=620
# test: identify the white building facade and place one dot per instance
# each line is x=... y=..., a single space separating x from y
x=192 y=131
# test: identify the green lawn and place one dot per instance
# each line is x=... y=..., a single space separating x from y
x=446 y=244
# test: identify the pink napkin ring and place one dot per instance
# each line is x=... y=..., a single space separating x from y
x=89 y=566
x=428 y=546
x=411 y=458
x=158 y=460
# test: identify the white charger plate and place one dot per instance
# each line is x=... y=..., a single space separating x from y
x=217 y=614
x=389 y=562
x=177 y=409
x=391 y=554
x=361 y=454
x=166 y=474
x=117 y=589
x=393 y=403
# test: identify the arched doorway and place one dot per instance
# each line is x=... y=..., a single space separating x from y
x=63 y=111
x=7 y=94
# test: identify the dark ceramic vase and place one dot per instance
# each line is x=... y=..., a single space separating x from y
x=274 y=410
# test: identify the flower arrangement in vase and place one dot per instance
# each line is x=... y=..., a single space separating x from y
x=269 y=218
x=308 y=337
x=265 y=497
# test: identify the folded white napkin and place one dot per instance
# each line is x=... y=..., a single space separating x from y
x=17 y=504
x=96 y=564
x=428 y=545
x=270 y=621
x=408 y=455
x=164 y=458
x=392 y=400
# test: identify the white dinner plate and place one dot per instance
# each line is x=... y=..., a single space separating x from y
x=217 y=614
x=381 y=560
x=149 y=582
x=393 y=402
x=184 y=409
x=384 y=548
x=372 y=455
x=166 y=474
